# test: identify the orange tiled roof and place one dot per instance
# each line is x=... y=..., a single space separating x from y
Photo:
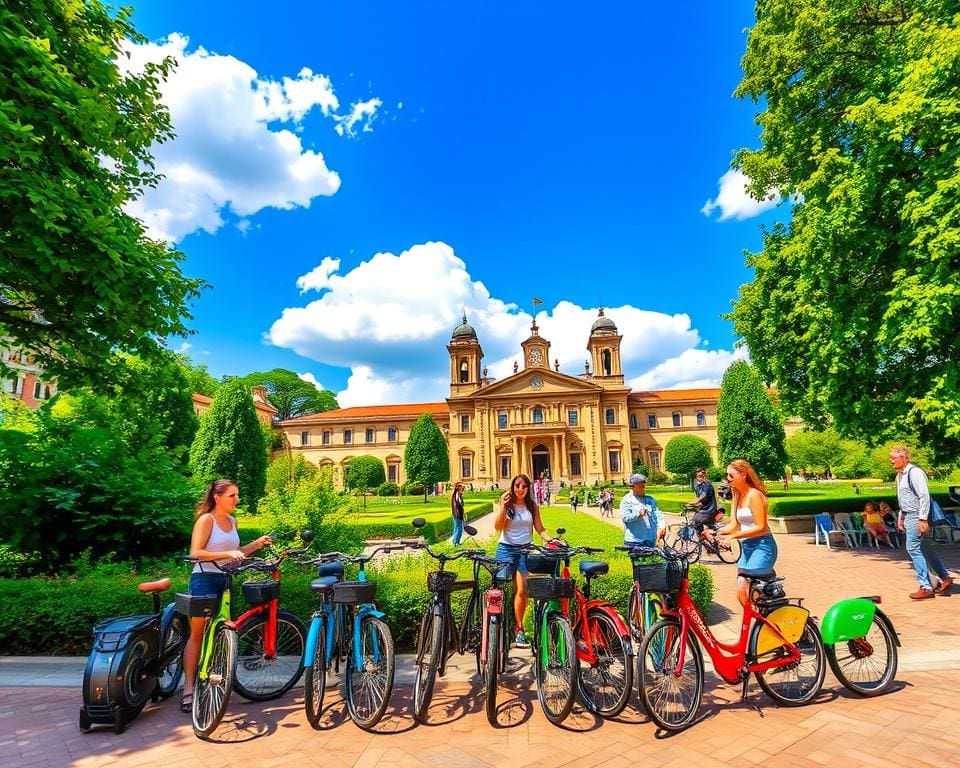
x=260 y=405
x=673 y=395
x=402 y=410
x=202 y=399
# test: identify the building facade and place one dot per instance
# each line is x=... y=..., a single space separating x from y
x=575 y=428
x=24 y=380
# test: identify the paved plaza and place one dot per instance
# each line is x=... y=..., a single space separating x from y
x=917 y=723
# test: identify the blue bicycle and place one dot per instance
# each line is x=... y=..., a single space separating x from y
x=347 y=625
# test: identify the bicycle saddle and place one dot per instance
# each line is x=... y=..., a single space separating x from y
x=330 y=569
x=761 y=580
x=324 y=583
x=594 y=567
x=154 y=586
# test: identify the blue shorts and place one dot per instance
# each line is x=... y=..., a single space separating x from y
x=207 y=584
x=758 y=556
x=514 y=554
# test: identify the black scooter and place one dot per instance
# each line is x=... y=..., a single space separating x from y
x=134 y=658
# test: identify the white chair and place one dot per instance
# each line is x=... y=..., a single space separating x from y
x=823 y=527
x=845 y=524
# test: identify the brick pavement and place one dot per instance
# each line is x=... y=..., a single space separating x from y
x=917 y=723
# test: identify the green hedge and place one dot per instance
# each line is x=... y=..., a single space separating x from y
x=789 y=507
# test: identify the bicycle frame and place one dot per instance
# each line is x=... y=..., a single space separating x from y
x=579 y=622
x=222 y=617
x=730 y=661
x=362 y=611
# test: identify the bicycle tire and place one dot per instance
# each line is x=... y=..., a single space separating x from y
x=429 y=652
x=605 y=686
x=792 y=690
x=137 y=685
x=687 y=542
x=856 y=662
x=173 y=641
x=730 y=555
x=315 y=678
x=557 y=669
x=259 y=678
x=211 y=695
x=661 y=688
x=368 y=690
x=491 y=671
x=472 y=629
x=638 y=619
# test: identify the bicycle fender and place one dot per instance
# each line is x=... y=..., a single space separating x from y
x=369 y=610
x=612 y=612
x=313 y=637
x=166 y=617
x=847 y=619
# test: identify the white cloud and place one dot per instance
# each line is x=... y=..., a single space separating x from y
x=362 y=112
x=238 y=144
x=691 y=369
x=184 y=347
x=734 y=201
x=310 y=379
x=378 y=321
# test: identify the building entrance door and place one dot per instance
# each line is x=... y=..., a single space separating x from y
x=541 y=461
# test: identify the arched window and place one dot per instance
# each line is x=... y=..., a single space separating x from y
x=605 y=361
x=347 y=436
x=611 y=416
x=701 y=419
x=464 y=371
x=538 y=415
x=392 y=434
x=676 y=418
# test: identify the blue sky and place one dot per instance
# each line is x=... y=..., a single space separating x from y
x=349 y=176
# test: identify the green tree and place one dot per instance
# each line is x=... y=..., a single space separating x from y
x=363 y=473
x=854 y=311
x=815 y=449
x=79 y=278
x=425 y=455
x=285 y=470
x=199 y=379
x=230 y=443
x=291 y=395
x=684 y=453
x=748 y=426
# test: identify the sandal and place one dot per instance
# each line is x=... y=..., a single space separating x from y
x=186 y=703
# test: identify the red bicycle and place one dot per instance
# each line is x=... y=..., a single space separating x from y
x=779 y=644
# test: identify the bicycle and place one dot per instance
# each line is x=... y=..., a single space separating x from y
x=362 y=640
x=133 y=659
x=272 y=641
x=484 y=630
x=861 y=645
x=779 y=644
x=601 y=636
x=687 y=540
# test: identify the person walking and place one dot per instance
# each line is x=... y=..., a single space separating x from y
x=913 y=495
x=457 y=513
x=573 y=500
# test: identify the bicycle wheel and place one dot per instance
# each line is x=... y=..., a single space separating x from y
x=212 y=694
x=687 y=542
x=368 y=688
x=729 y=552
x=428 y=662
x=866 y=665
x=557 y=668
x=671 y=697
x=138 y=685
x=315 y=677
x=259 y=677
x=171 y=646
x=491 y=670
x=799 y=682
x=605 y=685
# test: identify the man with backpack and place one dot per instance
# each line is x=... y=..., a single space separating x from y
x=913 y=495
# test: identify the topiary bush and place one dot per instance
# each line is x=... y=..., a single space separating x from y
x=388 y=489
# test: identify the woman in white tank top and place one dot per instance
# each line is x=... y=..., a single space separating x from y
x=749 y=524
x=214 y=540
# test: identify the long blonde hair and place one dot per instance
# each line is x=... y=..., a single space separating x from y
x=753 y=480
x=208 y=501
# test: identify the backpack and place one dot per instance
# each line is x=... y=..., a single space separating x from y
x=936 y=515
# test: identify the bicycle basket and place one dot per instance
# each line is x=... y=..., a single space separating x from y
x=261 y=591
x=196 y=606
x=354 y=592
x=441 y=581
x=658 y=577
x=549 y=588
x=541 y=564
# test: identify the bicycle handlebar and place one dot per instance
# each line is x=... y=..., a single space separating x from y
x=561 y=552
x=249 y=564
x=641 y=550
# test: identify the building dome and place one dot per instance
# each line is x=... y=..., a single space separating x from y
x=603 y=324
x=464 y=330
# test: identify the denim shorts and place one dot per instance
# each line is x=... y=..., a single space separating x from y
x=758 y=556
x=207 y=584
x=516 y=555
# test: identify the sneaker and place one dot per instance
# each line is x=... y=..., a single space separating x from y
x=521 y=640
x=944 y=586
x=922 y=594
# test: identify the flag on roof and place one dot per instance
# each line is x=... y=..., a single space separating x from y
x=536 y=301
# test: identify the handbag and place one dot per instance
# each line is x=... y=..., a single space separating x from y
x=936 y=515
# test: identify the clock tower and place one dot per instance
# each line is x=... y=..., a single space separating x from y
x=536 y=350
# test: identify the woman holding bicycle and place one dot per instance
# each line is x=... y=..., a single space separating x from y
x=517 y=517
x=214 y=540
x=748 y=523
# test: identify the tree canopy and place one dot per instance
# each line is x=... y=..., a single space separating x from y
x=365 y=472
x=291 y=395
x=684 y=453
x=748 y=426
x=199 y=379
x=230 y=443
x=425 y=454
x=79 y=278
x=854 y=312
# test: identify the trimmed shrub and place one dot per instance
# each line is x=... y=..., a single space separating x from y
x=388 y=489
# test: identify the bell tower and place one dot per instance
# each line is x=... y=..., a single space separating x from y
x=466 y=356
x=604 y=348
x=536 y=349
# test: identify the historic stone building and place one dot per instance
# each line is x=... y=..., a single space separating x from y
x=579 y=428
